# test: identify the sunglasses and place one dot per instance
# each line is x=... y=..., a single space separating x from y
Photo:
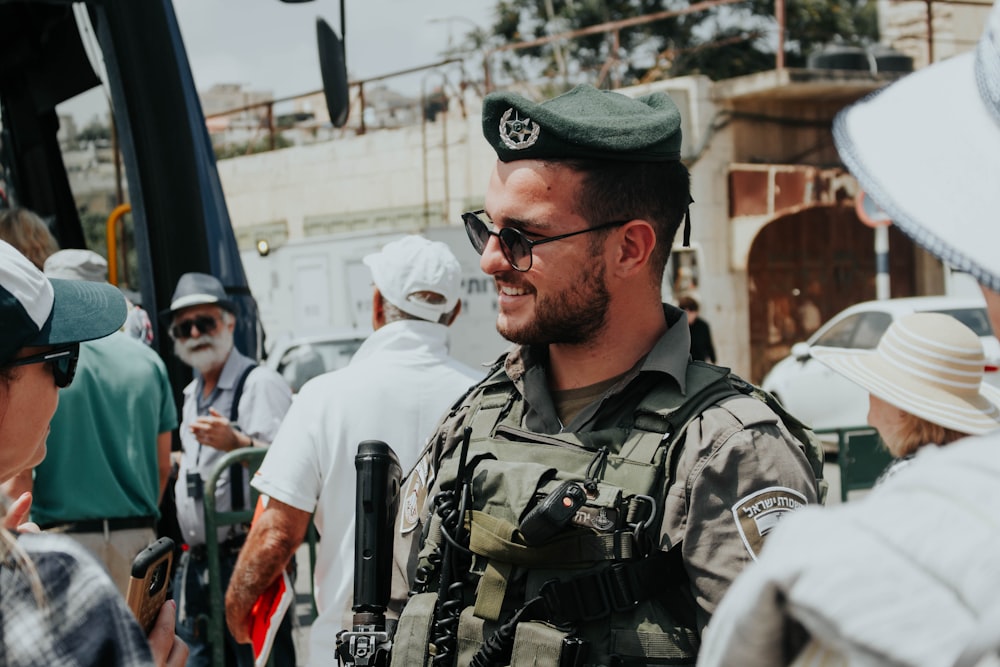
x=206 y=324
x=62 y=362
x=516 y=247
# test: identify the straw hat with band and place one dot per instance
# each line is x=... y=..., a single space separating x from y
x=926 y=149
x=39 y=312
x=928 y=364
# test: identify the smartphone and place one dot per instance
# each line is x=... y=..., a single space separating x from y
x=147 y=588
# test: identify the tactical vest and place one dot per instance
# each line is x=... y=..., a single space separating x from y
x=593 y=589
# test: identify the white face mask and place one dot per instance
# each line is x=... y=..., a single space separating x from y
x=207 y=352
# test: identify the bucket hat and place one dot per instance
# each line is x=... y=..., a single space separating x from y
x=37 y=311
x=196 y=289
x=926 y=149
x=928 y=364
x=414 y=264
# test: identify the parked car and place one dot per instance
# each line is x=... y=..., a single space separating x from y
x=824 y=399
x=299 y=359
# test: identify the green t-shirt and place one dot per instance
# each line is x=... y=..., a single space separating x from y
x=101 y=460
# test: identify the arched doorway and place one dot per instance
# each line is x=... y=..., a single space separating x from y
x=806 y=267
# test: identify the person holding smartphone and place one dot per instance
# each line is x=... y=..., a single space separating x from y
x=57 y=605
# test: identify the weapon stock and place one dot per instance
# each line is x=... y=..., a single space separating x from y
x=378 y=481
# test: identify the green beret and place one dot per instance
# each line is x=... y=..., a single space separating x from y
x=584 y=123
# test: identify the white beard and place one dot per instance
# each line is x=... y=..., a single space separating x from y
x=212 y=351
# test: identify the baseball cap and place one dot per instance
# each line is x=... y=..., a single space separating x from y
x=414 y=264
x=37 y=311
x=77 y=264
x=196 y=289
x=926 y=149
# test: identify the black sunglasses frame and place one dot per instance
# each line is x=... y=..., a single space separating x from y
x=61 y=360
x=182 y=330
x=474 y=222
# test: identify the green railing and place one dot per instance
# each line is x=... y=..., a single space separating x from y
x=216 y=620
x=861 y=457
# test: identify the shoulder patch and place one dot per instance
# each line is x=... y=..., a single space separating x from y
x=415 y=494
x=757 y=514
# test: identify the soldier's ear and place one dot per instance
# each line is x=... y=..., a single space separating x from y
x=635 y=246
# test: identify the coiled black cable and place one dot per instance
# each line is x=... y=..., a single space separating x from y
x=498 y=647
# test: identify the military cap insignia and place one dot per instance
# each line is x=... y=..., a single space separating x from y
x=517 y=133
x=759 y=513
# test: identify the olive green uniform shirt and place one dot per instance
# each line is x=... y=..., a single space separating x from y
x=738 y=471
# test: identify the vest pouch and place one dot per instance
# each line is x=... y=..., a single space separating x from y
x=537 y=645
x=413 y=633
x=508 y=488
x=470 y=636
x=650 y=635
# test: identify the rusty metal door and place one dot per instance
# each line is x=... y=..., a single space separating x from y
x=806 y=267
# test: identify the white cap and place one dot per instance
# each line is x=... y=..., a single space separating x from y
x=76 y=264
x=413 y=264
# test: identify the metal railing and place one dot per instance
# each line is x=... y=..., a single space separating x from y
x=861 y=457
x=215 y=622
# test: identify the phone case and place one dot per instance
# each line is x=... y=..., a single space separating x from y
x=147 y=588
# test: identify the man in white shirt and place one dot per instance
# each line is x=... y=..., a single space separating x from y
x=397 y=387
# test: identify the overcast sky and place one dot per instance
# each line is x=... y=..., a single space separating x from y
x=271 y=45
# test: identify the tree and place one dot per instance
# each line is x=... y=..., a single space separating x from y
x=722 y=42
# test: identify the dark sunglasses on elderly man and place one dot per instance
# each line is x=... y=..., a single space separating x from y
x=516 y=247
x=206 y=324
x=61 y=361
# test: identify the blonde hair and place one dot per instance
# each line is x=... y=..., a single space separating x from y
x=13 y=555
x=29 y=234
x=915 y=432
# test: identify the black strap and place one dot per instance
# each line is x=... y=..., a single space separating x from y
x=616 y=588
x=236 y=470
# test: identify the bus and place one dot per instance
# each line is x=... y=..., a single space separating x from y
x=52 y=51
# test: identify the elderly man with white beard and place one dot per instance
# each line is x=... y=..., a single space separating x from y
x=231 y=403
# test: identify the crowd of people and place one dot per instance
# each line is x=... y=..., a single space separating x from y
x=602 y=494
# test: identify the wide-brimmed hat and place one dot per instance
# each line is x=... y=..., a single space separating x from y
x=37 y=311
x=197 y=289
x=926 y=149
x=928 y=364
x=414 y=264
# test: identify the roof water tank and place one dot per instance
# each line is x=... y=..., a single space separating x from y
x=888 y=59
x=839 y=56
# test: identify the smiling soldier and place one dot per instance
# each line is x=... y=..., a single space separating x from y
x=606 y=477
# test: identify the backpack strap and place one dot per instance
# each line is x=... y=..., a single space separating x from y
x=236 y=470
x=708 y=385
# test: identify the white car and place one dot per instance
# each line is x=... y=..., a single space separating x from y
x=824 y=399
x=302 y=358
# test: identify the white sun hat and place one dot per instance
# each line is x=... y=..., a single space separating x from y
x=926 y=149
x=928 y=364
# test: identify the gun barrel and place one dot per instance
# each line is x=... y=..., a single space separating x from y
x=378 y=488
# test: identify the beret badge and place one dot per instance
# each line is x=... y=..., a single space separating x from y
x=517 y=133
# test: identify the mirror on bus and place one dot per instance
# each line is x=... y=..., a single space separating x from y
x=333 y=68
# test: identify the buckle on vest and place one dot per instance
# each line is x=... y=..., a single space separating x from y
x=592 y=596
